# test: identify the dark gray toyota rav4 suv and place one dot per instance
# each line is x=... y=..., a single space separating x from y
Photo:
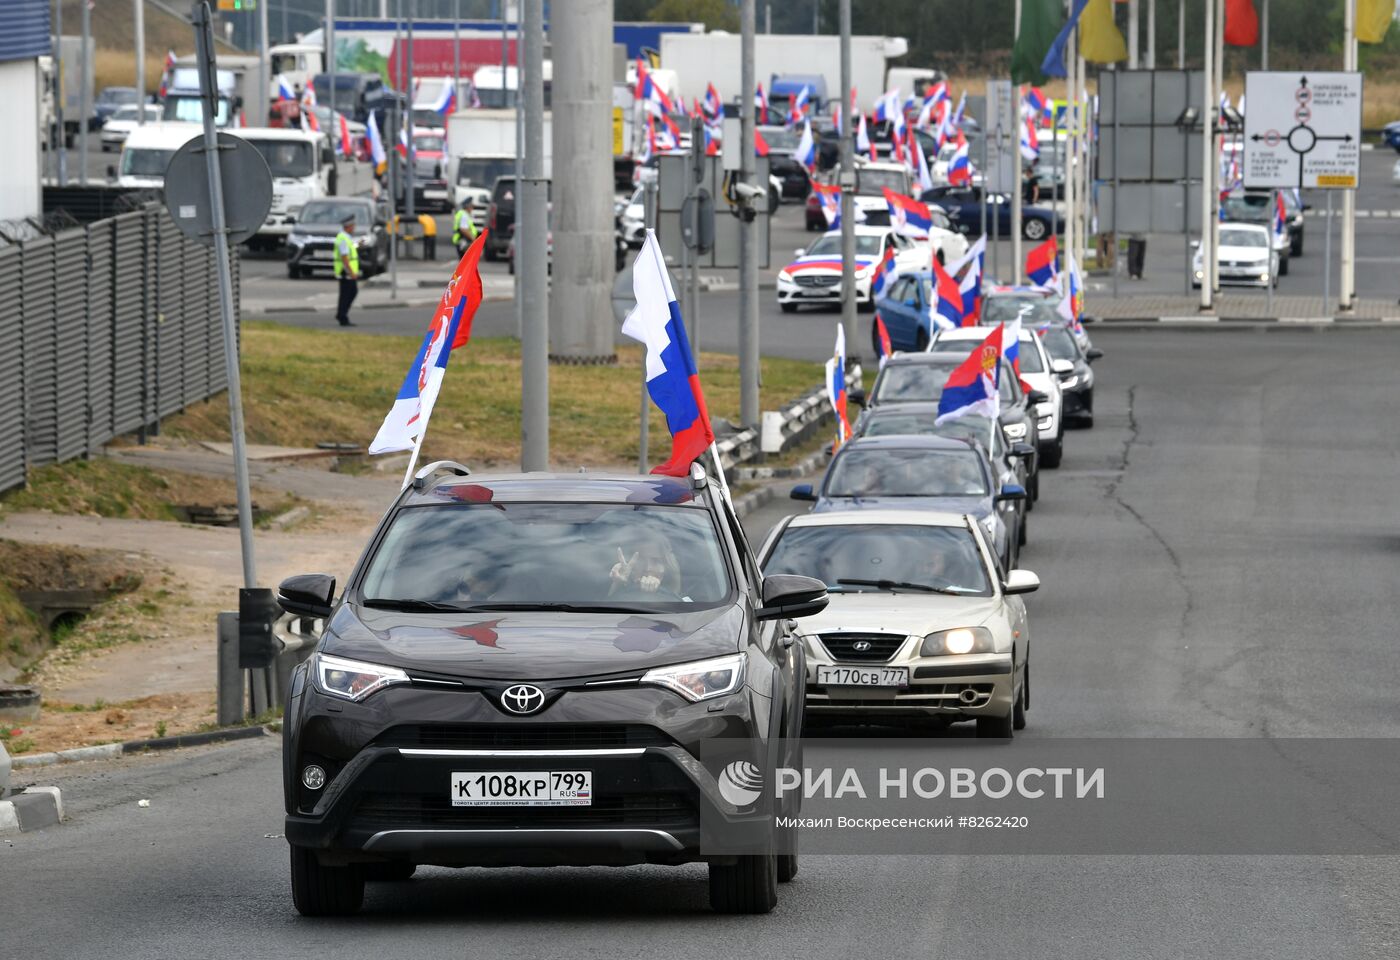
x=521 y=671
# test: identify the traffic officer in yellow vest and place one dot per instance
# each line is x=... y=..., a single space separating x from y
x=463 y=229
x=347 y=270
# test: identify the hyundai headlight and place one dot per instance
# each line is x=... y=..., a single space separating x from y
x=958 y=641
x=351 y=679
x=702 y=679
x=1016 y=431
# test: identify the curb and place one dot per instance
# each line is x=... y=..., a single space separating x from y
x=108 y=751
x=755 y=499
x=1211 y=320
x=32 y=809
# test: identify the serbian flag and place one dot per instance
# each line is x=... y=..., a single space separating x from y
x=909 y=217
x=1037 y=106
x=799 y=106
x=960 y=167
x=285 y=93
x=972 y=386
x=829 y=198
x=970 y=286
x=760 y=145
x=760 y=102
x=863 y=144
x=1040 y=263
x=651 y=95
x=836 y=388
x=1280 y=215
x=347 y=146
x=884 y=274
x=376 y=145
x=947 y=299
x=1030 y=143
x=883 y=347
x=805 y=152
x=713 y=106
x=450 y=328
x=711 y=142
x=672 y=381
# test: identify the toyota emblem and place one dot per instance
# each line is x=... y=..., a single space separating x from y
x=861 y=646
x=523 y=698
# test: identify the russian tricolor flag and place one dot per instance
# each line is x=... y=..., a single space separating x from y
x=285 y=93
x=947 y=299
x=650 y=94
x=960 y=167
x=1030 y=143
x=450 y=328
x=805 y=152
x=672 y=381
x=836 y=388
x=972 y=386
x=760 y=102
x=863 y=144
x=446 y=102
x=908 y=216
x=1041 y=264
x=884 y=273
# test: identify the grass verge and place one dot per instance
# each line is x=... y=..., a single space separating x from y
x=302 y=387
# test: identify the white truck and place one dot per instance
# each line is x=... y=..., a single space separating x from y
x=701 y=58
x=481 y=145
x=300 y=164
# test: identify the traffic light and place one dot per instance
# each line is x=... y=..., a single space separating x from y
x=237 y=6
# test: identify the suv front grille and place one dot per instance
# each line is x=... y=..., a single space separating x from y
x=843 y=646
x=380 y=811
x=537 y=736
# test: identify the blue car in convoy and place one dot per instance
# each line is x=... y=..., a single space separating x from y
x=906 y=306
x=905 y=472
x=1390 y=133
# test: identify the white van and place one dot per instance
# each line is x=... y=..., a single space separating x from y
x=147 y=152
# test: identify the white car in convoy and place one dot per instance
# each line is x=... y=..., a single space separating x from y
x=125 y=119
x=1247 y=257
x=1036 y=370
x=922 y=625
x=815 y=276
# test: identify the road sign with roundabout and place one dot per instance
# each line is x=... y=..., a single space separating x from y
x=1302 y=129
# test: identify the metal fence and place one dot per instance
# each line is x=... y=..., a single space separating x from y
x=104 y=330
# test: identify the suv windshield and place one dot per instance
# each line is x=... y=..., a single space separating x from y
x=945 y=558
x=332 y=213
x=538 y=555
x=924 y=381
x=1059 y=343
x=1030 y=356
x=872 y=182
x=997 y=310
x=914 y=472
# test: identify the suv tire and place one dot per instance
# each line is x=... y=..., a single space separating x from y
x=999 y=728
x=749 y=885
x=319 y=891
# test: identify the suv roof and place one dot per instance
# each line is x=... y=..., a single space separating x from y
x=558 y=487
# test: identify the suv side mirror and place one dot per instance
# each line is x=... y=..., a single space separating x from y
x=1022 y=449
x=803 y=491
x=307 y=595
x=1037 y=396
x=1010 y=492
x=1020 y=581
x=1063 y=367
x=787 y=595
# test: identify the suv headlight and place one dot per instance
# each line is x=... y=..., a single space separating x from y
x=957 y=641
x=1070 y=382
x=701 y=680
x=351 y=679
x=1016 y=431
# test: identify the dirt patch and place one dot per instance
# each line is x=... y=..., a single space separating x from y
x=62 y=725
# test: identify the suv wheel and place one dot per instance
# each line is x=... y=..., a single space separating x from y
x=787 y=862
x=1051 y=455
x=319 y=891
x=999 y=728
x=749 y=885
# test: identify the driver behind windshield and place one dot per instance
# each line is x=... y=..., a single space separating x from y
x=646 y=569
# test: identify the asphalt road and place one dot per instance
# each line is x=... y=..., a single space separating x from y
x=1217 y=557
